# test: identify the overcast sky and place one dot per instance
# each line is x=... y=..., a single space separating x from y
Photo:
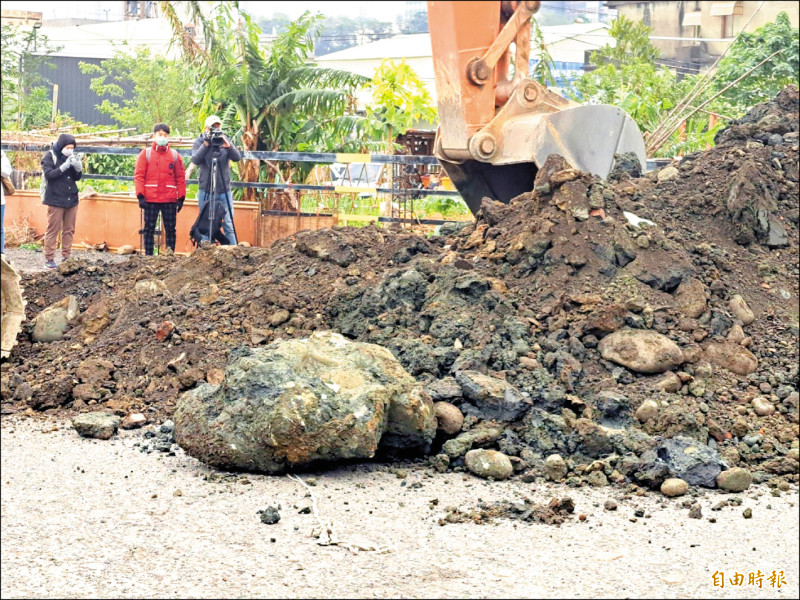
x=386 y=11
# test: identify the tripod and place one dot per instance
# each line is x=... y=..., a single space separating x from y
x=211 y=195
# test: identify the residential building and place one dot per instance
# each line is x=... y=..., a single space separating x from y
x=693 y=34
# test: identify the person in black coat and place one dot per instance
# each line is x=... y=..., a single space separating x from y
x=61 y=169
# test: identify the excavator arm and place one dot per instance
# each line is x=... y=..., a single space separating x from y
x=496 y=125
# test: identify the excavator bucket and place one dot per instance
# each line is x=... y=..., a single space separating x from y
x=12 y=307
x=588 y=137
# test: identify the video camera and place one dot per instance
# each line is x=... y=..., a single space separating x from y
x=215 y=136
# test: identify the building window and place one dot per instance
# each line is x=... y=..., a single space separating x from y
x=727 y=26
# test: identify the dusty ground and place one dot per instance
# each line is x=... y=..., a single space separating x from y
x=100 y=519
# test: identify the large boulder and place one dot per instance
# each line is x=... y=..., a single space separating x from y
x=296 y=402
x=491 y=398
x=641 y=350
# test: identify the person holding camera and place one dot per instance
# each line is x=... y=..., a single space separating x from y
x=160 y=186
x=211 y=152
x=61 y=169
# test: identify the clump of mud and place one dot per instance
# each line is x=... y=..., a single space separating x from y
x=525 y=295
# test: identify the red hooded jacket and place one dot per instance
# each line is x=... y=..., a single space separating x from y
x=162 y=180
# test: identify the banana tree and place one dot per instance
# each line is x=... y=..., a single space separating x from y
x=275 y=97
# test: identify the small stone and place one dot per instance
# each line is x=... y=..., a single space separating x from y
x=177 y=493
x=449 y=417
x=555 y=468
x=597 y=479
x=735 y=479
x=667 y=173
x=279 y=317
x=610 y=505
x=98 y=425
x=747 y=513
x=126 y=249
x=673 y=487
x=489 y=463
x=133 y=421
x=648 y=410
x=736 y=334
x=696 y=512
x=762 y=406
x=741 y=310
x=270 y=516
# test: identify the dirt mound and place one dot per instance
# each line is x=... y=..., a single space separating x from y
x=532 y=294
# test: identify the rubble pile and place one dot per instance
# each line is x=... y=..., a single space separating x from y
x=624 y=331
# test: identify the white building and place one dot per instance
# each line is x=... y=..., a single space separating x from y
x=567 y=44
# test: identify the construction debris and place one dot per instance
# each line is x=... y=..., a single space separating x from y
x=537 y=321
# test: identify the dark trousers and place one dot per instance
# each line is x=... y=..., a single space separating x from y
x=169 y=211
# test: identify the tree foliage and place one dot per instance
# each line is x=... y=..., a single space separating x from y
x=543 y=69
x=766 y=81
x=25 y=94
x=161 y=90
x=627 y=76
x=399 y=100
x=632 y=44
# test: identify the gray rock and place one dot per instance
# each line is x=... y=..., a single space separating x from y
x=651 y=470
x=555 y=469
x=482 y=434
x=641 y=350
x=673 y=487
x=270 y=515
x=491 y=398
x=444 y=389
x=489 y=463
x=51 y=324
x=741 y=310
x=296 y=402
x=98 y=425
x=610 y=505
x=735 y=479
x=691 y=461
x=597 y=479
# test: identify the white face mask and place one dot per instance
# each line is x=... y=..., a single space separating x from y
x=67 y=151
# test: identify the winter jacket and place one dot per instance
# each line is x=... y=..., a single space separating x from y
x=162 y=180
x=62 y=191
x=6 y=171
x=202 y=156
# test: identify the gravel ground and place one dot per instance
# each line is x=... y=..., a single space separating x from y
x=32 y=261
x=100 y=519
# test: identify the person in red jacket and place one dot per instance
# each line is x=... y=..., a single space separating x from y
x=160 y=186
